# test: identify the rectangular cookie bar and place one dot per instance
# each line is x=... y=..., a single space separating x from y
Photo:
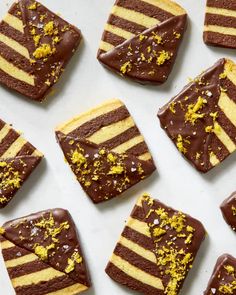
x=156 y=249
x=220 y=23
x=200 y=120
x=18 y=159
x=42 y=254
x=142 y=38
x=223 y=279
x=105 y=150
x=35 y=46
x=228 y=209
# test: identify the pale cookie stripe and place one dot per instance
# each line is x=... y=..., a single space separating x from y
x=37 y=276
x=16 y=146
x=221 y=11
x=6 y=66
x=146 y=255
x=137 y=18
x=107 y=132
x=14 y=22
x=220 y=30
x=136 y=273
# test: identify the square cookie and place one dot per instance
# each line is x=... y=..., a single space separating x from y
x=201 y=119
x=156 y=250
x=142 y=38
x=105 y=150
x=42 y=254
x=18 y=159
x=228 y=209
x=35 y=46
x=223 y=279
x=220 y=23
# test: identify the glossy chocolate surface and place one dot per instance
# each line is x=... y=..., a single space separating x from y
x=149 y=56
x=196 y=123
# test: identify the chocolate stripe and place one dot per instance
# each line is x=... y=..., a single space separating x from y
x=145 y=8
x=220 y=20
x=138 y=238
x=121 y=138
x=225 y=4
x=15 y=58
x=13 y=253
x=138 y=149
x=138 y=213
x=126 y=25
x=27 y=149
x=218 y=148
x=19 y=86
x=231 y=88
x=45 y=287
x=2 y=124
x=112 y=38
x=220 y=39
x=27 y=268
x=229 y=128
x=8 y=141
x=9 y=31
x=136 y=260
x=120 y=277
x=90 y=127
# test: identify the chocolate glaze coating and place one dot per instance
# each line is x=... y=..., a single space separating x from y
x=23 y=166
x=221 y=276
x=199 y=143
x=98 y=183
x=178 y=243
x=141 y=52
x=227 y=210
x=26 y=233
x=163 y=223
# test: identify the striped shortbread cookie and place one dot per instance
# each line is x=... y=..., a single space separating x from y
x=42 y=254
x=201 y=119
x=141 y=39
x=105 y=150
x=35 y=46
x=220 y=23
x=156 y=249
x=18 y=159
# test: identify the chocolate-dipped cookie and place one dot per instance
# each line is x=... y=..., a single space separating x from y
x=156 y=249
x=142 y=38
x=35 y=46
x=220 y=23
x=105 y=150
x=200 y=120
x=223 y=279
x=18 y=159
x=43 y=255
x=228 y=209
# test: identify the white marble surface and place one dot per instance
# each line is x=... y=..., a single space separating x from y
x=86 y=83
